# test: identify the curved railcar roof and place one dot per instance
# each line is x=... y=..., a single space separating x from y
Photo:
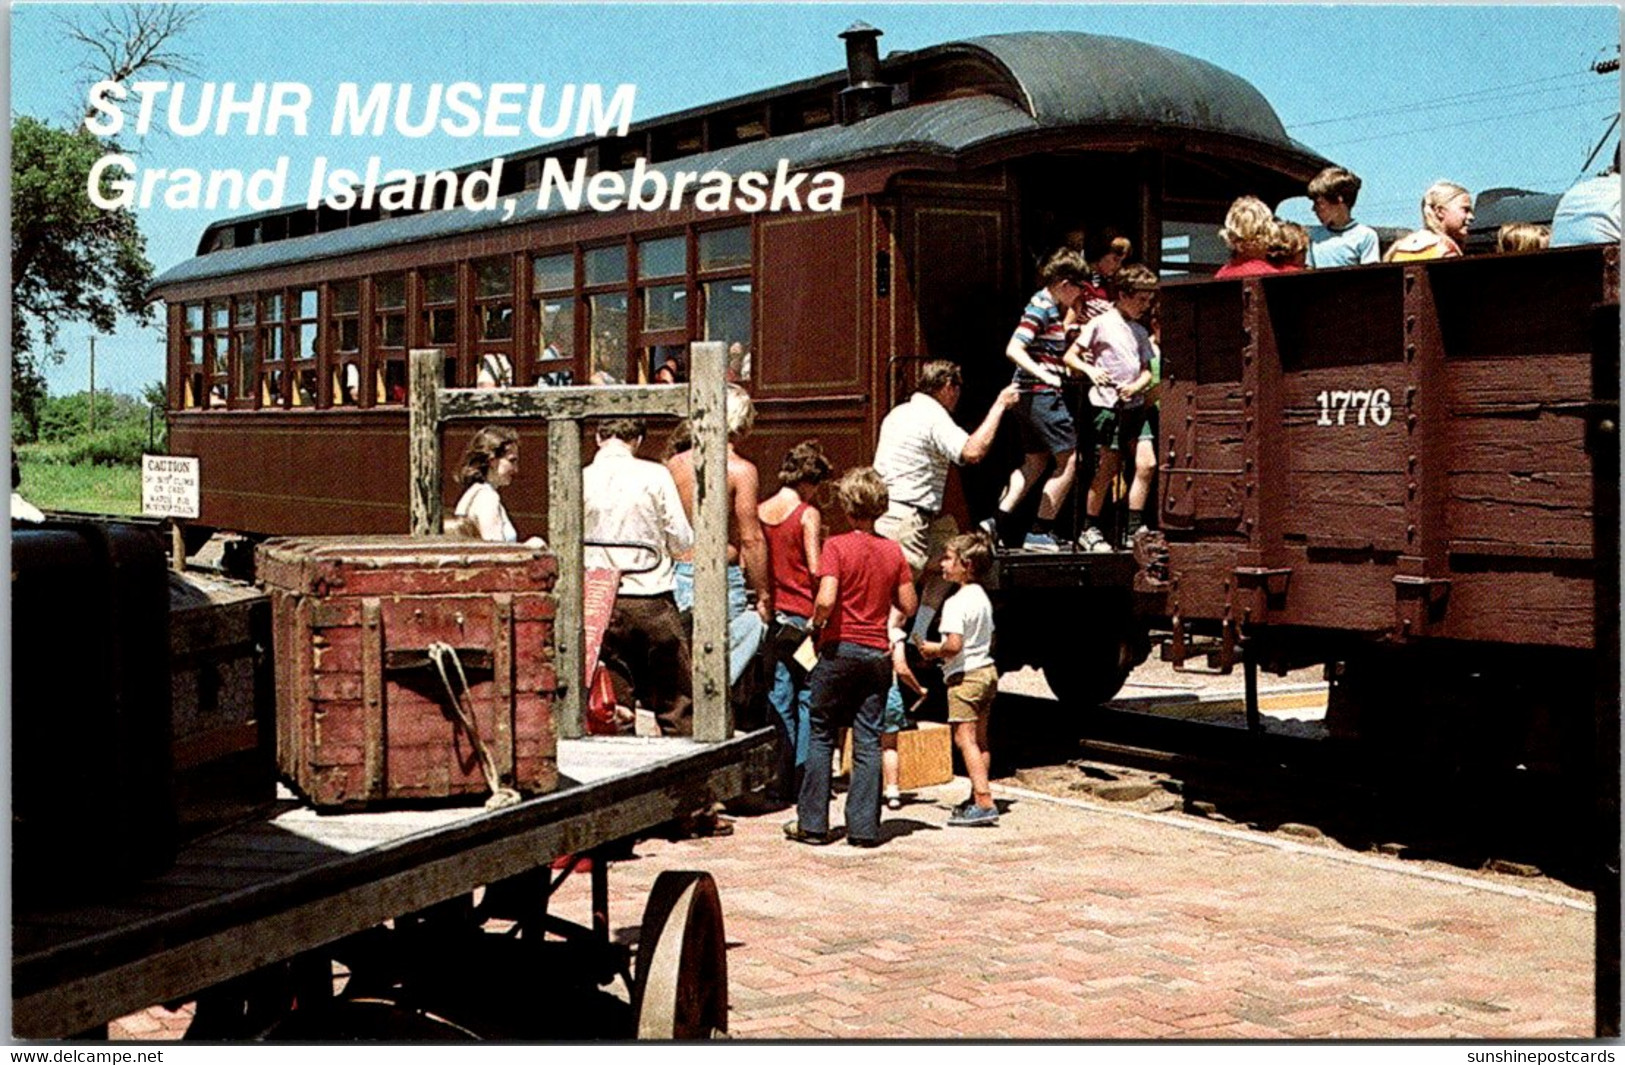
x=1081 y=79
x=963 y=96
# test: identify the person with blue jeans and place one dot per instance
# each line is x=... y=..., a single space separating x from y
x=862 y=576
x=794 y=529
x=747 y=550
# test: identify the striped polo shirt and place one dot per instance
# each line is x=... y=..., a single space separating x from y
x=1042 y=331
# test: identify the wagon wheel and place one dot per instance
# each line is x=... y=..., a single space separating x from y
x=1084 y=677
x=682 y=979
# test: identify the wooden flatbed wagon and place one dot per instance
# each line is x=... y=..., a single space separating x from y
x=248 y=920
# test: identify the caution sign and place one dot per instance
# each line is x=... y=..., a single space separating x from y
x=169 y=486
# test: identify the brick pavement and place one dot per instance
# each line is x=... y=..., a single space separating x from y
x=1070 y=921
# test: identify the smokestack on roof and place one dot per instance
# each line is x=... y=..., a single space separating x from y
x=865 y=95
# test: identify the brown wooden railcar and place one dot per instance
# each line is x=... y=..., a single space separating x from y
x=1394 y=452
x=962 y=164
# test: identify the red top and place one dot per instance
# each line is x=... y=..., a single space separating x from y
x=869 y=568
x=787 y=555
x=1248 y=268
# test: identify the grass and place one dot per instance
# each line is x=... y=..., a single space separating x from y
x=84 y=488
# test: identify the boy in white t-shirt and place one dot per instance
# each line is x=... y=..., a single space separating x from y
x=967 y=645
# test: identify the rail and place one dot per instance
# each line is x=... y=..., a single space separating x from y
x=702 y=400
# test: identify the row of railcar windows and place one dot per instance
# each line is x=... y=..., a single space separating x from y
x=630 y=308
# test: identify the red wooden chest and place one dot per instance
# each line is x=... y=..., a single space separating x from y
x=364 y=713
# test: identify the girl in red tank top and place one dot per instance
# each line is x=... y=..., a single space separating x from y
x=794 y=531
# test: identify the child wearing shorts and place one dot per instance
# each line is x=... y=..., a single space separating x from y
x=1046 y=426
x=967 y=645
x=1114 y=352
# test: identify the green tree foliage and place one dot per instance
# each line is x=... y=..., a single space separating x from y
x=125 y=428
x=70 y=260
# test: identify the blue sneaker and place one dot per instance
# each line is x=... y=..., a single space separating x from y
x=974 y=816
x=1041 y=542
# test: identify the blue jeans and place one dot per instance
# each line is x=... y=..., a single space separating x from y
x=848 y=691
x=789 y=698
x=745 y=626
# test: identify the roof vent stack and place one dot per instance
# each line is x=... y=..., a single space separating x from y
x=865 y=95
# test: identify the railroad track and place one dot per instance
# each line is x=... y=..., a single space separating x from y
x=1413 y=806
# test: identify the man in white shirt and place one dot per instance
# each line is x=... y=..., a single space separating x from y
x=628 y=500
x=918 y=442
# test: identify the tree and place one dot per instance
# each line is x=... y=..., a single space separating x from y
x=70 y=260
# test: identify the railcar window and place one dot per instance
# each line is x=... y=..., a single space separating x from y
x=606 y=325
x=246 y=367
x=307 y=336
x=605 y=266
x=440 y=285
x=727 y=318
x=273 y=391
x=553 y=316
x=1192 y=248
x=493 y=294
x=666 y=257
x=344 y=328
x=722 y=249
x=440 y=315
x=553 y=273
x=219 y=351
x=192 y=389
x=389 y=336
x=665 y=307
x=493 y=310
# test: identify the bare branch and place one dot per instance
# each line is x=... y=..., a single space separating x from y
x=134 y=39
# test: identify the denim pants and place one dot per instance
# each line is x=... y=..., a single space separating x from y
x=745 y=626
x=848 y=691
x=789 y=698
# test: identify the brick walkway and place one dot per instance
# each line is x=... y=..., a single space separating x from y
x=1078 y=922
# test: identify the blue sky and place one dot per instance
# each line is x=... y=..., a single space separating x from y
x=1484 y=96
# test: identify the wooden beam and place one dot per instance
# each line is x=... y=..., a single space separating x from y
x=703 y=400
x=423 y=441
x=564 y=539
x=575 y=402
x=709 y=654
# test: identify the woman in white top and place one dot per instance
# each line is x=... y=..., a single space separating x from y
x=489 y=465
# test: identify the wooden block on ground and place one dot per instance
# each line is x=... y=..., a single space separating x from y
x=924 y=756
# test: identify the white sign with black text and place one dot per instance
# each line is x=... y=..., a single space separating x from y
x=169 y=486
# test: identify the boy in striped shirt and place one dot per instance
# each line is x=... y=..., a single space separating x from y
x=1046 y=426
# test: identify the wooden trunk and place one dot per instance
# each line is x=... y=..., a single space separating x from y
x=363 y=712
x=222 y=701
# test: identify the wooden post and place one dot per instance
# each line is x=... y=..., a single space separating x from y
x=177 y=546
x=708 y=415
x=423 y=441
x=564 y=538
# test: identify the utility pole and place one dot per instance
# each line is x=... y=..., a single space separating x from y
x=93 y=384
x=1603 y=66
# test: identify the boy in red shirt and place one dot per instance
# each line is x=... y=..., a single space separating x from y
x=861 y=576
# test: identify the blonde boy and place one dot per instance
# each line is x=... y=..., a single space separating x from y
x=973 y=681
